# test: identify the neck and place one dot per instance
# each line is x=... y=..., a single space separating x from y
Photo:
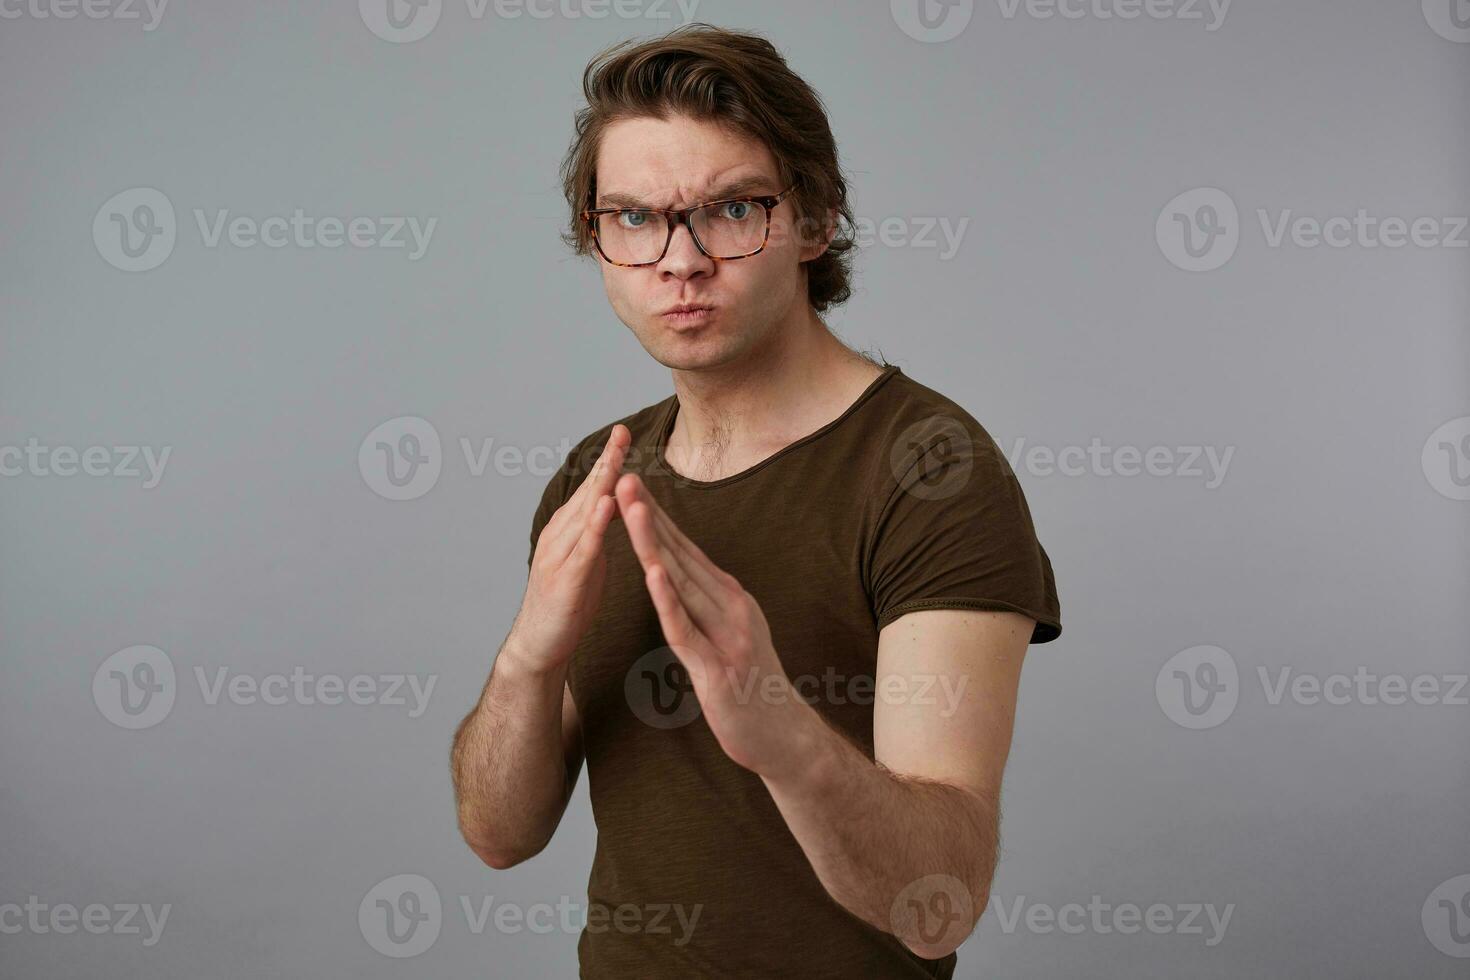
x=735 y=415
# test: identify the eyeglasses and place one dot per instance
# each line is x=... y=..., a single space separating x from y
x=735 y=228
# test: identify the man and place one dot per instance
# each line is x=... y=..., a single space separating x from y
x=793 y=669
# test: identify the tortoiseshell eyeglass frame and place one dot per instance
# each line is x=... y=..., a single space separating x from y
x=676 y=217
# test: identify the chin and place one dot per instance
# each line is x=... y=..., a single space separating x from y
x=684 y=355
x=685 y=360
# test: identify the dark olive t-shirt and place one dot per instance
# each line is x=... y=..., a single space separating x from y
x=902 y=503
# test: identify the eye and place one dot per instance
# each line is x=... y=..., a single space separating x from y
x=633 y=219
x=736 y=210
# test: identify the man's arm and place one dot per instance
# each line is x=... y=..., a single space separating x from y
x=517 y=755
x=515 y=761
x=907 y=841
x=910 y=844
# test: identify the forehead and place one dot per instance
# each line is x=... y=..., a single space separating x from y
x=679 y=161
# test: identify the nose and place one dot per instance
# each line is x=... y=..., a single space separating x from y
x=684 y=260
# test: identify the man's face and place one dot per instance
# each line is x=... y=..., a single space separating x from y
x=678 y=163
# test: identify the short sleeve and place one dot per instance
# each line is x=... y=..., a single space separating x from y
x=956 y=533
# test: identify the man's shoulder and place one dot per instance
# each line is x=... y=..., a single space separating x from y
x=913 y=396
x=916 y=438
x=912 y=413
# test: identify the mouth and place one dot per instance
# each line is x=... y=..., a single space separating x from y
x=688 y=314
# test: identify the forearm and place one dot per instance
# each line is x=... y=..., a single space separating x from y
x=508 y=766
x=874 y=837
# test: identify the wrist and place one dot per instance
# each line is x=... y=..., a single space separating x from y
x=811 y=764
x=522 y=663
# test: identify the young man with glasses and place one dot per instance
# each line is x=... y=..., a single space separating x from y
x=793 y=673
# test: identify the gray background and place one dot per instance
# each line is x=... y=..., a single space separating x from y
x=1061 y=319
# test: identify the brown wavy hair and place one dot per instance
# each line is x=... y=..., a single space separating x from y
x=740 y=81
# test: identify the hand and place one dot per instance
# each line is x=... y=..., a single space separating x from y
x=720 y=635
x=569 y=566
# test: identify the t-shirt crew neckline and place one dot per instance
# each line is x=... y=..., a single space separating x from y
x=666 y=427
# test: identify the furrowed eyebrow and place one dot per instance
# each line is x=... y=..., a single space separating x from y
x=734 y=188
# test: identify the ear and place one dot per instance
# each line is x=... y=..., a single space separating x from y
x=815 y=249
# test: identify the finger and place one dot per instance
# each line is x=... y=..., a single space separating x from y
x=704 y=592
x=679 y=629
x=685 y=569
x=702 y=607
x=605 y=471
x=687 y=561
x=610 y=463
x=598 y=484
x=691 y=557
x=593 y=534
